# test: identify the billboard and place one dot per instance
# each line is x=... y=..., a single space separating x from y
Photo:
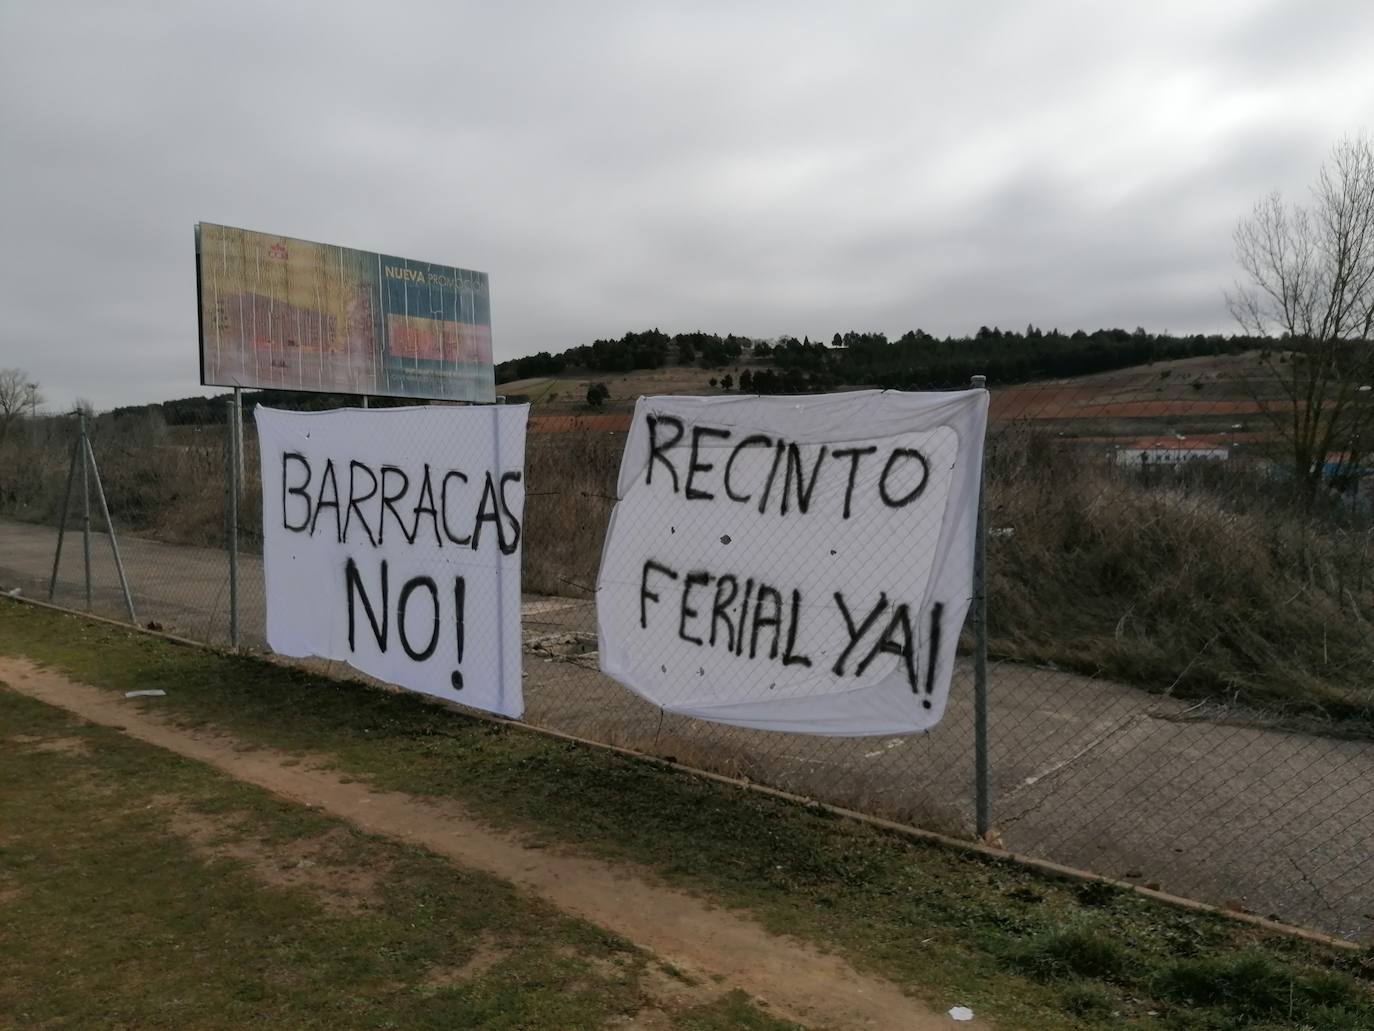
x=286 y=314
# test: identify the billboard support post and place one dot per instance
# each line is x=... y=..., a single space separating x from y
x=980 y=658
x=238 y=434
x=231 y=533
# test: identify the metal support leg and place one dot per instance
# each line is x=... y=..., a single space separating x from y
x=109 y=529
x=62 y=516
x=980 y=661
x=86 y=510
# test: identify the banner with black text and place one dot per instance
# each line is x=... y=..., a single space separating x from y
x=794 y=563
x=391 y=542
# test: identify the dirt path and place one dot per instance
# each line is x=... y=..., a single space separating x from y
x=795 y=980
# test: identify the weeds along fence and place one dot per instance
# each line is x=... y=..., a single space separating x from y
x=1181 y=675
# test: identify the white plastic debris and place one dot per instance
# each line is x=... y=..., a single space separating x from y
x=961 y=1013
x=151 y=693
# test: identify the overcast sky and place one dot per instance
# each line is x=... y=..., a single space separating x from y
x=758 y=168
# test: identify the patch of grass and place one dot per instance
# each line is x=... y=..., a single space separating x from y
x=1087 y=999
x=1098 y=893
x=734 y=1012
x=1254 y=985
x=949 y=926
x=115 y=916
x=1085 y=952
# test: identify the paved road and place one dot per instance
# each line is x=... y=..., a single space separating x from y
x=1085 y=772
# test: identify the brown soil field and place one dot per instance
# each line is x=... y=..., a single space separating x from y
x=609 y=422
x=1187 y=388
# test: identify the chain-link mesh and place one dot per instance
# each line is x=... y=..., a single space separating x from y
x=1181 y=684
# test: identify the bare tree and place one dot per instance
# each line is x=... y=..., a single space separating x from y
x=1309 y=279
x=17 y=392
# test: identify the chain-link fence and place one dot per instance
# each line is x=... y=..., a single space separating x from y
x=1181 y=672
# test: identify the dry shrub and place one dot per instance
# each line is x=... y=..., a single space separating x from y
x=1204 y=584
x=162 y=482
x=570 y=488
x=33 y=470
x=1199 y=585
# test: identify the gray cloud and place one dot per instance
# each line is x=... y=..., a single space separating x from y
x=761 y=168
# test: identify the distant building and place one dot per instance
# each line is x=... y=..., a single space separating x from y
x=1168 y=451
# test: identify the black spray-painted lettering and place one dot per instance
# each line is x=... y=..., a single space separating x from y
x=376 y=607
x=778 y=450
x=854 y=454
x=804 y=490
x=508 y=547
x=915 y=492
x=411 y=585
x=424 y=505
x=904 y=478
x=697 y=466
x=744 y=625
x=486 y=513
x=299 y=490
x=720 y=609
x=489 y=510
x=887 y=643
x=657 y=451
x=353 y=583
x=452 y=474
x=937 y=615
x=327 y=479
x=354 y=500
x=790 y=657
x=646 y=595
x=743 y=609
x=460 y=593
x=398 y=501
x=856 y=633
x=770 y=626
x=772 y=619
x=757 y=438
x=696 y=578
x=388 y=503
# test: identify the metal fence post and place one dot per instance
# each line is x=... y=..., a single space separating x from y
x=232 y=520
x=85 y=509
x=980 y=659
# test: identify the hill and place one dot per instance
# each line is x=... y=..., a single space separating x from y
x=653 y=362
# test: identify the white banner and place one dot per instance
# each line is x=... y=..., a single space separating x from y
x=794 y=563
x=391 y=542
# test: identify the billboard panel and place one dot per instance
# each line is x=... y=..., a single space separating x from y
x=287 y=314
